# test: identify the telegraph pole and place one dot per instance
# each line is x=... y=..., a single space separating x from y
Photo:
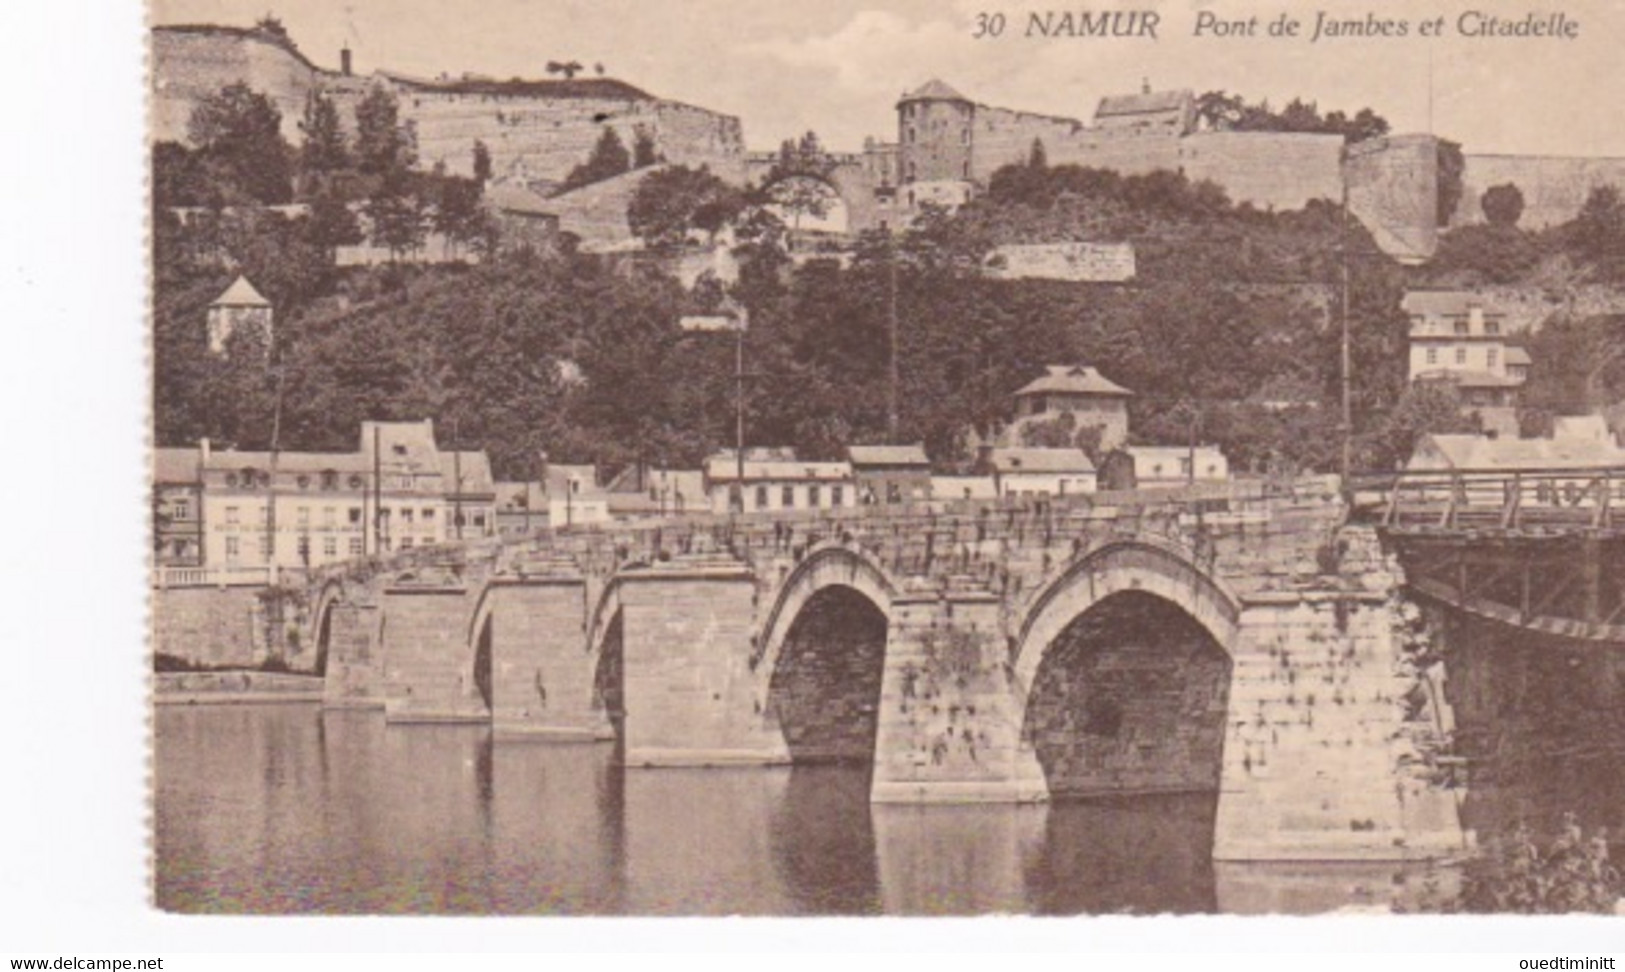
x=891 y=321
x=1347 y=377
x=739 y=411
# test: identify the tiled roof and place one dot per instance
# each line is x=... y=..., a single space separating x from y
x=1142 y=103
x=887 y=455
x=724 y=468
x=1445 y=303
x=1041 y=461
x=1075 y=380
x=231 y=460
x=935 y=90
x=175 y=465
x=1482 y=452
x=241 y=293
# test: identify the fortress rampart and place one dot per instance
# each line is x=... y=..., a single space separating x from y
x=534 y=130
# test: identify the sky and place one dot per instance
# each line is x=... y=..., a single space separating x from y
x=837 y=67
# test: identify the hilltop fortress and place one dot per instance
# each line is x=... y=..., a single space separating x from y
x=536 y=131
x=946 y=147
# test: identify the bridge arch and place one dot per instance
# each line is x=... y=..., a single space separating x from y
x=1123 y=666
x=822 y=651
x=321 y=622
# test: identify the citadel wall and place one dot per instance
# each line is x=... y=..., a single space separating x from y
x=1271 y=170
x=1393 y=188
x=1554 y=188
x=531 y=136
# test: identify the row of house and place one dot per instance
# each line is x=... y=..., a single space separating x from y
x=251 y=510
x=258 y=512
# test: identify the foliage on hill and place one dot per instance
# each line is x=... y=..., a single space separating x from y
x=1227 y=112
x=1591 y=246
x=1232 y=315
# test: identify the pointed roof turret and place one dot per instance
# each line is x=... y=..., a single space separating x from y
x=241 y=293
x=933 y=90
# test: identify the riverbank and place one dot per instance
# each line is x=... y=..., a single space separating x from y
x=219 y=688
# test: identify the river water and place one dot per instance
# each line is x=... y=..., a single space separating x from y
x=292 y=809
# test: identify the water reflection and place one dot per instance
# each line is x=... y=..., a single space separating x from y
x=290 y=809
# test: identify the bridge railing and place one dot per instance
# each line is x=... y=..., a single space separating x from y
x=1576 y=496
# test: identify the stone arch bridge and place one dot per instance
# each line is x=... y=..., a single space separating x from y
x=1234 y=643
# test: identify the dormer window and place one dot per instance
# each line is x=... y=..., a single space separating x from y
x=399 y=449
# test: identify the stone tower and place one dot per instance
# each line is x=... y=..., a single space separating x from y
x=934 y=135
x=240 y=306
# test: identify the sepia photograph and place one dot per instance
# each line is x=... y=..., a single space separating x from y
x=695 y=458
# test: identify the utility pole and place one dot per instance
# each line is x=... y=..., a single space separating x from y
x=1348 y=385
x=891 y=327
x=457 y=487
x=739 y=413
x=270 y=483
x=377 y=492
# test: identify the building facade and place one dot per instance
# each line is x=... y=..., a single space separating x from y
x=1041 y=473
x=1081 y=391
x=890 y=474
x=1456 y=337
x=779 y=484
x=1151 y=467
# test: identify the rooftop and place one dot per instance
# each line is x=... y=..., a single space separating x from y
x=175 y=465
x=723 y=468
x=1073 y=380
x=934 y=90
x=888 y=455
x=1143 y=103
x=241 y=293
x=1445 y=303
x=1483 y=452
x=1041 y=461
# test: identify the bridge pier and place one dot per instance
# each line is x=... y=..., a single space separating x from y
x=1317 y=762
x=541 y=672
x=428 y=669
x=355 y=671
x=950 y=724
x=691 y=696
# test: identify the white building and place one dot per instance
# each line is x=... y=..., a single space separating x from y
x=1151 y=467
x=1455 y=336
x=780 y=483
x=1041 y=472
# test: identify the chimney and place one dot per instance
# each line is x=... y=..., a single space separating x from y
x=344 y=61
x=203 y=448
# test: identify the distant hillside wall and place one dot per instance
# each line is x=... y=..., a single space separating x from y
x=1271 y=170
x=188 y=64
x=1553 y=188
x=530 y=136
x=1393 y=186
x=1527 y=308
x=1002 y=137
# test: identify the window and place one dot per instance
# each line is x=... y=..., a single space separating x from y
x=761 y=497
x=479 y=518
x=232 y=549
x=428 y=514
x=1433 y=356
x=1461 y=329
x=330 y=546
x=355 y=515
x=180 y=510
x=231 y=516
x=304 y=516
x=1461 y=356
x=330 y=479
x=837 y=496
x=304 y=547
x=406 y=515
x=406 y=543
x=1492 y=328
x=399 y=449
x=813 y=496
x=787 y=497
x=355 y=546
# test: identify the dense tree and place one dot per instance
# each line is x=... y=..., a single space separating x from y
x=1502 y=204
x=332 y=224
x=677 y=200
x=644 y=151
x=609 y=159
x=1227 y=112
x=237 y=133
x=324 y=148
x=482 y=162
x=457 y=212
x=398 y=217
x=1597 y=234
x=383 y=145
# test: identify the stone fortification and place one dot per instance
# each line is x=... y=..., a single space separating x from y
x=535 y=130
x=1554 y=188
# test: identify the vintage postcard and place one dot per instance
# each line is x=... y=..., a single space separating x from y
x=887 y=457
